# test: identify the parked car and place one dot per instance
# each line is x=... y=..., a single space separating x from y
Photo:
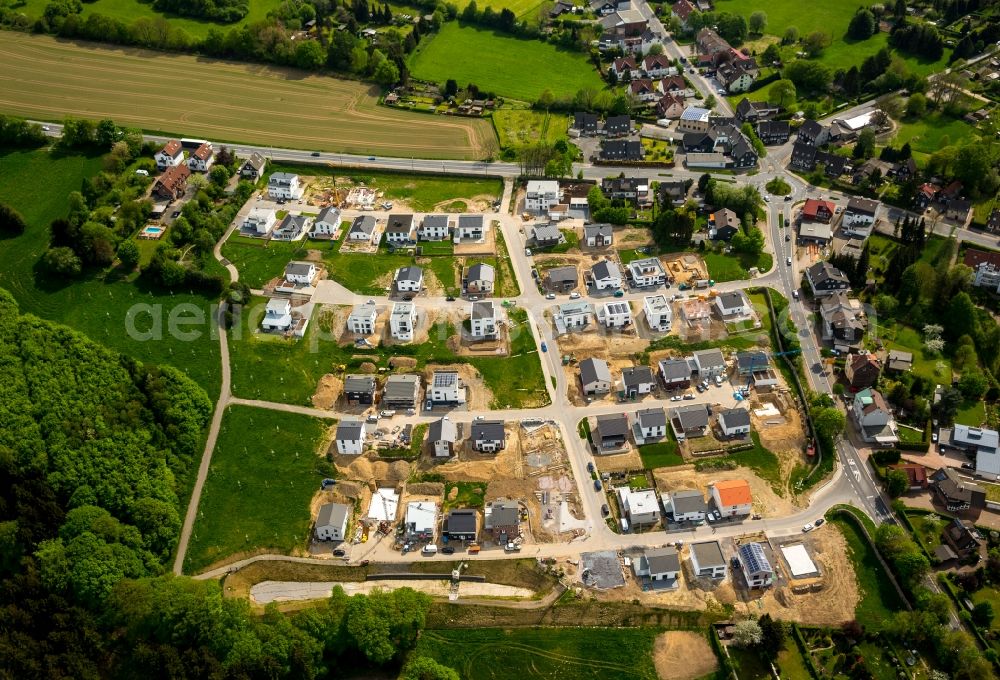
x=545 y=348
x=447 y=550
x=574 y=295
x=968 y=466
x=550 y=296
x=689 y=396
x=700 y=387
x=315 y=153
x=450 y=298
x=597 y=485
x=527 y=252
x=788 y=261
x=605 y=510
x=590 y=467
x=619 y=293
x=788 y=237
x=819 y=522
x=339 y=552
x=807 y=528
x=788 y=198
x=795 y=294
x=676 y=397
x=387 y=414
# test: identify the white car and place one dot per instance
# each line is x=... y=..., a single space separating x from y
x=767 y=199
x=550 y=296
x=574 y=296
x=807 y=528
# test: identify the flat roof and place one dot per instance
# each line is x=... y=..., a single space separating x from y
x=384 y=505
x=799 y=562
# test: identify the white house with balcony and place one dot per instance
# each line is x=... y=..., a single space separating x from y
x=284 y=186
x=606 y=275
x=659 y=312
x=617 y=314
x=541 y=195
x=260 y=221
x=402 y=321
x=647 y=272
x=327 y=223
x=277 y=315
x=171 y=155
x=446 y=388
x=484 y=320
x=361 y=320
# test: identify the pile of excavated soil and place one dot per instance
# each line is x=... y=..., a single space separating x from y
x=327 y=391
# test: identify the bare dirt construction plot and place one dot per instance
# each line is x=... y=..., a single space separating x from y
x=685 y=267
x=477 y=395
x=327 y=391
x=49 y=79
x=781 y=433
x=835 y=597
x=601 y=344
x=682 y=655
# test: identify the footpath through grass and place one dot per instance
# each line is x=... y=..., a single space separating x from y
x=510 y=67
x=37 y=183
x=550 y=653
x=265 y=469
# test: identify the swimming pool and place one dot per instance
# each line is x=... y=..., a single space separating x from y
x=151 y=232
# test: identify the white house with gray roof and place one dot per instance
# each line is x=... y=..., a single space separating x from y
x=659 y=313
x=446 y=388
x=362 y=229
x=402 y=321
x=401 y=391
x=981 y=442
x=707 y=560
x=573 y=316
x=660 y=565
x=650 y=425
x=637 y=381
x=480 y=279
x=300 y=272
x=617 y=314
x=331 y=521
x=689 y=421
x=327 y=223
x=598 y=235
x=708 y=363
x=483 y=320
x=734 y=422
x=361 y=320
x=488 y=436
x=351 y=437
x=409 y=279
x=399 y=230
x=606 y=275
x=732 y=305
x=284 y=186
x=470 y=228
x=688 y=505
x=442 y=435
x=435 y=228
x=595 y=376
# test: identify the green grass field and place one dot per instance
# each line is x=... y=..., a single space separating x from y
x=661 y=454
x=258 y=489
x=526 y=9
x=937 y=369
x=722 y=267
x=932 y=132
x=879 y=598
x=971 y=413
x=520 y=69
x=224 y=101
x=763 y=462
x=792 y=664
x=517 y=127
x=259 y=261
x=552 y=654
x=36 y=183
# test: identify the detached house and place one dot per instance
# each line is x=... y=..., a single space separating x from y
x=253 y=168
x=595 y=376
x=171 y=155
x=632 y=189
x=462 y=524
x=541 y=195
x=707 y=560
x=617 y=126
x=818 y=211
x=682 y=9
x=284 y=186
x=862 y=370
x=642 y=89
x=300 y=272
x=694 y=119
x=401 y=391
x=734 y=422
x=402 y=321
x=260 y=221
x=598 y=235
x=172 y=184
x=202 y=158
x=446 y=388
x=957 y=493
x=859 y=216
x=442 y=435
x=586 y=123
x=636 y=381
x=670 y=106
x=640 y=506
x=483 y=318
x=658 y=66
x=687 y=505
x=813 y=134
x=611 y=432
x=480 y=278
x=732 y=498
x=573 y=315
x=488 y=436
x=676 y=374
x=327 y=223
x=659 y=565
x=650 y=425
x=331 y=522
x=420 y=521
x=659 y=313
x=409 y=279
x=606 y=275
x=755 y=112
x=621 y=150
x=874 y=418
x=351 y=438
x=615 y=314
x=773 y=132
x=982 y=443
x=732 y=305
x=434 y=228
x=754 y=564
x=503 y=521
x=291 y=227
x=623 y=68
x=277 y=315
x=843 y=321
x=359 y=389
x=723 y=225
x=470 y=228
x=689 y=421
x=737 y=75
x=362 y=229
x=708 y=363
x=647 y=272
x=399 y=230
x=825 y=279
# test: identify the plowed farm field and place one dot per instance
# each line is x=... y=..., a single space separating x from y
x=48 y=79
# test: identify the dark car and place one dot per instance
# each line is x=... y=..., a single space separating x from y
x=175 y=214
x=788 y=237
x=605 y=511
x=315 y=153
x=339 y=552
x=597 y=485
x=447 y=550
x=450 y=298
x=788 y=198
x=590 y=467
x=968 y=466
x=819 y=522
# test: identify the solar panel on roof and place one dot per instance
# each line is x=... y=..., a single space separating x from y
x=752 y=555
x=443 y=379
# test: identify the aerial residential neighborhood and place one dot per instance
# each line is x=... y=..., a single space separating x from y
x=651 y=340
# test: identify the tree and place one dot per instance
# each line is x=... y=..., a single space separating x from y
x=386 y=73
x=791 y=36
x=815 y=43
x=128 y=254
x=747 y=634
x=773 y=634
x=703 y=183
x=863 y=25
x=896 y=483
x=426 y=668
x=107 y=133
x=450 y=88
x=961 y=316
x=62 y=261
x=973 y=384
x=309 y=55
x=947 y=406
x=758 y=22
x=771 y=54
x=782 y=93
x=829 y=422
x=811 y=76
x=219 y=175
x=11 y=221
x=864 y=147
x=916 y=105
x=982 y=615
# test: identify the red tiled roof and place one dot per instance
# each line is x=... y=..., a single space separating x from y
x=203 y=152
x=973 y=258
x=812 y=207
x=171 y=148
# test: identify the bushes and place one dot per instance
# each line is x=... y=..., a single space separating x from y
x=11 y=221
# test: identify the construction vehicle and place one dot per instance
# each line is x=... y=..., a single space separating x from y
x=474 y=548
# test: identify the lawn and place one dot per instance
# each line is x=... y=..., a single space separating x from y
x=464 y=495
x=971 y=413
x=661 y=454
x=991 y=595
x=47 y=79
x=257 y=493
x=36 y=183
x=763 y=462
x=526 y=9
x=516 y=381
x=936 y=369
x=550 y=653
x=722 y=267
x=423 y=193
x=879 y=599
x=930 y=133
x=510 y=67
x=792 y=664
x=519 y=127
x=259 y=261
x=881 y=248
x=749 y=665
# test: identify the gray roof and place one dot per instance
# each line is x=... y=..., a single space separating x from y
x=862 y=206
x=298 y=268
x=708 y=358
x=661 y=560
x=503 y=514
x=461 y=521
x=470 y=221
x=359 y=383
x=281 y=177
x=433 y=221
x=597 y=230
x=633 y=376
x=980 y=438
x=410 y=273
x=592 y=370
x=329 y=214
x=606 y=269
x=332 y=514
x=709 y=554
x=675 y=369
x=401 y=386
x=399 y=224
x=483 y=310
x=481 y=272
x=547 y=232
x=349 y=430
x=488 y=430
x=614 y=425
x=363 y=224
x=735 y=417
x=687 y=500
x=750 y=361
x=732 y=299
x=442 y=430
x=256 y=161
x=651 y=417
x=823 y=271
x=692 y=417
x=296 y=222
x=562 y=274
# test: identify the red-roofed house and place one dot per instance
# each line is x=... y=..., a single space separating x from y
x=623 y=68
x=682 y=9
x=670 y=106
x=170 y=155
x=915 y=473
x=202 y=158
x=926 y=194
x=986 y=266
x=862 y=370
x=732 y=497
x=172 y=183
x=818 y=211
x=643 y=89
